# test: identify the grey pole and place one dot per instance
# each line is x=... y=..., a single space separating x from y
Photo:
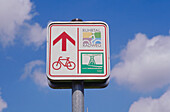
x=77 y=92
x=77 y=96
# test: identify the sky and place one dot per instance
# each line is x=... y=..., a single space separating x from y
x=139 y=33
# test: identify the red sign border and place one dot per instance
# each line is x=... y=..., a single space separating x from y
x=78 y=52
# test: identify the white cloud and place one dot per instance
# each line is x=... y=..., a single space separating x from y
x=161 y=104
x=144 y=63
x=14 y=15
x=34 y=34
x=40 y=77
x=34 y=70
x=3 y=104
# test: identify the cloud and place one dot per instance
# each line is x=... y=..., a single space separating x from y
x=40 y=77
x=34 y=70
x=34 y=35
x=14 y=16
x=149 y=104
x=13 y=13
x=144 y=63
x=3 y=104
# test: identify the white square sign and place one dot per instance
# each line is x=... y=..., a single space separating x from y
x=78 y=51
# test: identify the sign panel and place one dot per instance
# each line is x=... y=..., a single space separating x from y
x=78 y=51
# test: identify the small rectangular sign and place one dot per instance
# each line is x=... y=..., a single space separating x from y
x=92 y=63
x=78 y=51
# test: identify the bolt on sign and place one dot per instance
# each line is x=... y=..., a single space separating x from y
x=78 y=51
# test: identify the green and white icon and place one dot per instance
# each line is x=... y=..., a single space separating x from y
x=92 y=63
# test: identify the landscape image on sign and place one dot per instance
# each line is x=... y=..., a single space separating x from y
x=91 y=38
x=92 y=63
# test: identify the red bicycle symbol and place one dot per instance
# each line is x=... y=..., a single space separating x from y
x=69 y=64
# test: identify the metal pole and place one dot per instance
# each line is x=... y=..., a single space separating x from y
x=77 y=96
x=77 y=91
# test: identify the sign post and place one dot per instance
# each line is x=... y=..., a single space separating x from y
x=77 y=93
x=77 y=96
x=78 y=51
x=78 y=57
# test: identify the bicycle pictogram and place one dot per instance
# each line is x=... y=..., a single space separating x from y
x=69 y=64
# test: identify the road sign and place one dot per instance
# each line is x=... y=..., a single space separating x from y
x=78 y=51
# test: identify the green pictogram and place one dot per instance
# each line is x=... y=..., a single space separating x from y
x=92 y=63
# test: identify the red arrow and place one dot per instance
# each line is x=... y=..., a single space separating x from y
x=64 y=36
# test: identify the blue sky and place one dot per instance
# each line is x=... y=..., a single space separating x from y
x=139 y=46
